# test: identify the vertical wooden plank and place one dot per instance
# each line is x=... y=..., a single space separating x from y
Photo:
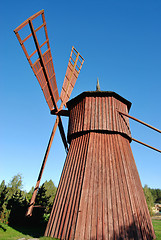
x=100 y=186
x=105 y=229
x=96 y=116
x=89 y=112
x=92 y=113
x=109 y=188
x=94 y=192
x=104 y=114
x=86 y=114
x=100 y=114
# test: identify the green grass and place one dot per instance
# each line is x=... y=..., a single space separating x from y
x=157 y=228
x=8 y=233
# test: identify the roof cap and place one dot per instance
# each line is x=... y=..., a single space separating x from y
x=98 y=94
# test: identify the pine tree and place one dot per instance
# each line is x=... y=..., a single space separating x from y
x=4 y=212
x=17 y=206
x=3 y=194
x=50 y=192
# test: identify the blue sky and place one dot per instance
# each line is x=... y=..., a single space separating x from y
x=121 y=43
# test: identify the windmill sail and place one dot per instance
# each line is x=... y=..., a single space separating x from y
x=74 y=66
x=43 y=67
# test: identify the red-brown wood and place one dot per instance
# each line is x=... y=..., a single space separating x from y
x=91 y=118
x=100 y=194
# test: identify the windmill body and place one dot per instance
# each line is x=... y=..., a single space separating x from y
x=99 y=194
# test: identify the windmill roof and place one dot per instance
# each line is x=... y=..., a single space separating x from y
x=73 y=101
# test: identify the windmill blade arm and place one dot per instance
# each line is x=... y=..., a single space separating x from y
x=32 y=202
x=73 y=69
x=26 y=22
x=42 y=67
x=58 y=122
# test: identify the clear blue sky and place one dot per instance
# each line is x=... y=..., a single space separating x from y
x=121 y=43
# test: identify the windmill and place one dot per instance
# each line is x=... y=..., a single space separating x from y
x=99 y=195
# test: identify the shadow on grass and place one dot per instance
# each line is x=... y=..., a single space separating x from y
x=33 y=226
x=34 y=231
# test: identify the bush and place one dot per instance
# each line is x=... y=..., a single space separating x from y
x=149 y=199
x=4 y=214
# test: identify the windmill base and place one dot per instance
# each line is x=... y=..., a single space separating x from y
x=100 y=195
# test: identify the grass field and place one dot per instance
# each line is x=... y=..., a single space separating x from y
x=8 y=233
x=157 y=228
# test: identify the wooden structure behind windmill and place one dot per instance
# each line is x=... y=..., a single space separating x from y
x=99 y=194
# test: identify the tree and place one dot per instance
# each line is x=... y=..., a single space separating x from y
x=41 y=207
x=156 y=193
x=15 y=185
x=43 y=202
x=42 y=199
x=14 y=202
x=18 y=207
x=50 y=191
x=149 y=198
x=4 y=212
x=29 y=194
x=3 y=194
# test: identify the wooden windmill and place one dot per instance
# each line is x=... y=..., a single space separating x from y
x=99 y=194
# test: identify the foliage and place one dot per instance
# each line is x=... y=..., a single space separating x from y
x=3 y=193
x=11 y=200
x=16 y=182
x=29 y=194
x=14 y=202
x=18 y=207
x=50 y=193
x=44 y=201
x=152 y=196
x=41 y=206
x=4 y=212
x=46 y=217
x=156 y=195
x=149 y=198
x=14 y=185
